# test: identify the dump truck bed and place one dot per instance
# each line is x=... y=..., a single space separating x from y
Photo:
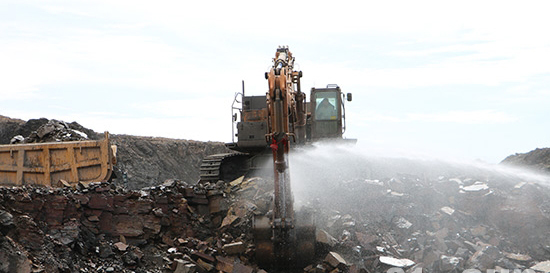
x=48 y=164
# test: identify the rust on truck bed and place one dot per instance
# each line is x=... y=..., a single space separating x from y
x=48 y=163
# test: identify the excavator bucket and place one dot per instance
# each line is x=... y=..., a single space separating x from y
x=284 y=249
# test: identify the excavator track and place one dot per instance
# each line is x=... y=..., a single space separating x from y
x=226 y=167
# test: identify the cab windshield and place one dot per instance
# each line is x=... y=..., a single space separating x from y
x=326 y=106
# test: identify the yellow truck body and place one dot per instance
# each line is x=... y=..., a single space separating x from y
x=57 y=163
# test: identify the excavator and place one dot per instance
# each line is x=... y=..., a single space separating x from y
x=269 y=125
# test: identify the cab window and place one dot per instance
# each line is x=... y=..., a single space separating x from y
x=325 y=106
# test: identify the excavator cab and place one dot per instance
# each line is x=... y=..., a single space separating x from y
x=327 y=119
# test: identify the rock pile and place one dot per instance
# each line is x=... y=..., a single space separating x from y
x=371 y=216
x=405 y=222
x=51 y=131
x=439 y=224
x=98 y=227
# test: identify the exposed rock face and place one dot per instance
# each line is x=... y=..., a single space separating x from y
x=538 y=159
x=98 y=226
x=13 y=257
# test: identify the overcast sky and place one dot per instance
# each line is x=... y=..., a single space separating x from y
x=460 y=79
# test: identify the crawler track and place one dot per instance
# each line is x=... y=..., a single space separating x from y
x=226 y=167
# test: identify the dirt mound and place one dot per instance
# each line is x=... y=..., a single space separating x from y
x=538 y=159
x=8 y=128
x=147 y=161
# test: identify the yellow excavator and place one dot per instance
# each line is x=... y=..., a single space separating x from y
x=269 y=125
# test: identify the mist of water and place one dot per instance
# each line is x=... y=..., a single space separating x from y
x=318 y=171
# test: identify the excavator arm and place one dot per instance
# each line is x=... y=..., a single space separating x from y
x=280 y=103
x=281 y=240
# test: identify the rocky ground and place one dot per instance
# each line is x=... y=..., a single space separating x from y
x=373 y=214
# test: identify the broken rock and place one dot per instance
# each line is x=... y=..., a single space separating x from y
x=396 y=262
x=184 y=267
x=403 y=223
x=450 y=264
x=335 y=260
x=234 y=248
x=228 y=220
x=542 y=266
x=477 y=186
x=241 y=268
x=325 y=238
x=6 y=221
x=104 y=250
x=485 y=258
x=225 y=264
x=448 y=210
x=518 y=257
x=204 y=265
x=12 y=257
x=121 y=246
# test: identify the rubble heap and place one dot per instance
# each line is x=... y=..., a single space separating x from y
x=372 y=215
x=435 y=215
x=439 y=224
x=481 y=219
x=51 y=131
x=98 y=227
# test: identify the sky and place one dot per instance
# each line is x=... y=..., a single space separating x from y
x=450 y=79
